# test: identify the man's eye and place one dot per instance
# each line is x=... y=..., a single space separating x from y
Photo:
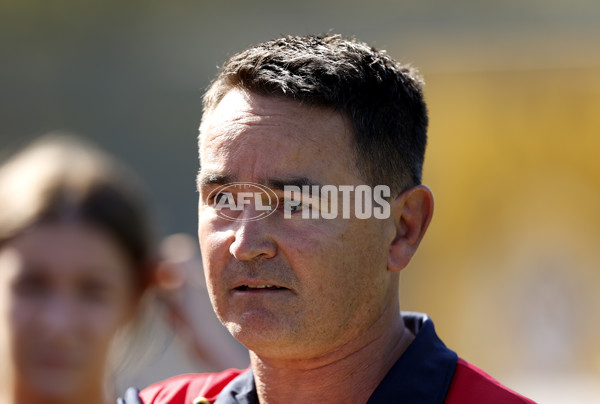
x=293 y=206
x=296 y=208
x=221 y=199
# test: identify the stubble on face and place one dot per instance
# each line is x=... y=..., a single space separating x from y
x=334 y=270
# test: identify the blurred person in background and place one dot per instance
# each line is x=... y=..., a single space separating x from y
x=77 y=265
x=76 y=257
x=315 y=299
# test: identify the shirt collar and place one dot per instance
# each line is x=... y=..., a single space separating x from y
x=424 y=371
x=240 y=390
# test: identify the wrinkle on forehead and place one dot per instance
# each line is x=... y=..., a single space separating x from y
x=231 y=118
x=275 y=124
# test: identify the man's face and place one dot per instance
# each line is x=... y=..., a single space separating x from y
x=327 y=278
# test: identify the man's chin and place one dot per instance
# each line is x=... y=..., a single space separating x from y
x=261 y=335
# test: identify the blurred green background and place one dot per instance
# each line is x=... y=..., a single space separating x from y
x=510 y=269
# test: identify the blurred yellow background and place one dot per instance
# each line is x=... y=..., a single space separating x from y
x=510 y=268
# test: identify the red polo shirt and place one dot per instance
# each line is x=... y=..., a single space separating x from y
x=427 y=372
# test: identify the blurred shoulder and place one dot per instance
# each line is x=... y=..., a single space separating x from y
x=189 y=388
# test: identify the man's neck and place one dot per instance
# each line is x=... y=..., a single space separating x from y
x=350 y=374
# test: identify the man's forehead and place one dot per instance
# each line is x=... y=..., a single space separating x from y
x=273 y=138
x=238 y=106
x=241 y=108
x=232 y=105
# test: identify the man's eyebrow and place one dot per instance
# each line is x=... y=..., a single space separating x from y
x=279 y=184
x=206 y=179
x=276 y=184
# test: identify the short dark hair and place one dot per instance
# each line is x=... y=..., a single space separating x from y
x=382 y=98
x=62 y=178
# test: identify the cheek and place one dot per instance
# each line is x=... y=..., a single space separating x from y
x=313 y=252
x=346 y=263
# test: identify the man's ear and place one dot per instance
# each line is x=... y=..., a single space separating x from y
x=411 y=211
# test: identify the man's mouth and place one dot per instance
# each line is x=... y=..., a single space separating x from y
x=244 y=288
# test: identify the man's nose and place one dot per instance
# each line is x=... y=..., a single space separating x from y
x=251 y=239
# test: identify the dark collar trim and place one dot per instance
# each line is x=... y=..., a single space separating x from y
x=423 y=373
